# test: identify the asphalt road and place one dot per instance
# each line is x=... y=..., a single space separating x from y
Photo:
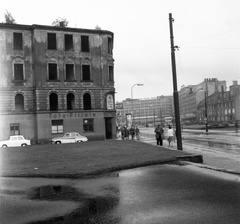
x=179 y=194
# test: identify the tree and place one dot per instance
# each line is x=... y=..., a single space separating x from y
x=9 y=18
x=63 y=22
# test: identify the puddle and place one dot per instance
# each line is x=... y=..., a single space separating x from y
x=90 y=206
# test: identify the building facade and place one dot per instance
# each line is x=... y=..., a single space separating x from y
x=146 y=111
x=191 y=96
x=221 y=106
x=55 y=80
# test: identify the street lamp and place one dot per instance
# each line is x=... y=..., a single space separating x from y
x=138 y=84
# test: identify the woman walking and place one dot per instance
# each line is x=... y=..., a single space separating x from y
x=170 y=135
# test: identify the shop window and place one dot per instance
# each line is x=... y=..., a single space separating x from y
x=70 y=72
x=85 y=43
x=70 y=101
x=18 y=72
x=87 y=101
x=110 y=73
x=53 y=101
x=110 y=45
x=57 y=126
x=14 y=129
x=86 y=72
x=17 y=41
x=19 y=102
x=52 y=71
x=52 y=41
x=68 y=42
x=88 y=124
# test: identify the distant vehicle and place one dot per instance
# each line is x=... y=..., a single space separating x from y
x=70 y=137
x=14 y=141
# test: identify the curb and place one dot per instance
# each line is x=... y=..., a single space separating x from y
x=191 y=158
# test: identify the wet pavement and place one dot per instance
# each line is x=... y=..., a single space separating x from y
x=157 y=194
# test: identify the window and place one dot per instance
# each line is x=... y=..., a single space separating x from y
x=52 y=71
x=19 y=102
x=18 y=72
x=88 y=124
x=57 y=126
x=14 y=129
x=52 y=41
x=85 y=43
x=110 y=73
x=17 y=41
x=53 y=101
x=110 y=45
x=70 y=72
x=68 y=42
x=87 y=101
x=70 y=101
x=86 y=72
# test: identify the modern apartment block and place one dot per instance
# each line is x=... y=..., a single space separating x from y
x=56 y=80
x=147 y=111
x=190 y=96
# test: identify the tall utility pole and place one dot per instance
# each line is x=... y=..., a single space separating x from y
x=175 y=91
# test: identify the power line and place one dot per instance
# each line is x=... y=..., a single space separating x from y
x=208 y=37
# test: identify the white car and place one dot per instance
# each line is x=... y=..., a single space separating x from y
x=70 y=137
x=14 y=141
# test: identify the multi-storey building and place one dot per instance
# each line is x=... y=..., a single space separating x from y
x=54 y=80
x=148 y=110
x=191 y=96
x=221 y=106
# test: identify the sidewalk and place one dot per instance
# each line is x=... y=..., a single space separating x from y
x=212 y=159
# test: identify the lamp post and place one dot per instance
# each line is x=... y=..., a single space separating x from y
x=206 y=115
x=137 y=84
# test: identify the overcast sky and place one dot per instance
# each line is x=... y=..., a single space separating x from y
x=207 y=32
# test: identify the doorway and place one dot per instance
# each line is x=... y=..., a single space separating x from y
x=108 y=128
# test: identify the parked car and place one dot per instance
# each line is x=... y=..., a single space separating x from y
x=14 y=141
x=70 y=137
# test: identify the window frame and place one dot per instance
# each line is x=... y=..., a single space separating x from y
x=85 y=43
x=88 y=124
x=52 y=63
x=51 y=41
x=110 y=73
x=73 y=79
x=68 y=41
x=59 y=124
x=15 y=75
x=86 y=77
x=17 y=44
x=15 y=132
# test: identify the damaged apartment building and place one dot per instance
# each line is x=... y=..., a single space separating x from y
x=56 y=80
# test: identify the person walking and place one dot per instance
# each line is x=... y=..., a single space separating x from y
x=132 y=132
x=170 y=135
x=137 y=133
x=236 y=126
x=158 y=133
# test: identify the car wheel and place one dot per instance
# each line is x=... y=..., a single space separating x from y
x=24 y=144
x=4 y=146
x=79 y=141
x=58 y=142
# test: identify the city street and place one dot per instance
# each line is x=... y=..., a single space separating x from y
x=158 y=194
x=220 y=149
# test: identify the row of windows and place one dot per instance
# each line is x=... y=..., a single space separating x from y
x=69 y=72
x=52 y=42
x=53 y=102
x=57 y=126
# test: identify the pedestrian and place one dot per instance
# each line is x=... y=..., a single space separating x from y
x=170 y=135
x=132 y=132
x=236 y=126
x=159 y=133
x=137 y=133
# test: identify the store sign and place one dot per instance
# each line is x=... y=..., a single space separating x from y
x=110 y=102
x=71 y=115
